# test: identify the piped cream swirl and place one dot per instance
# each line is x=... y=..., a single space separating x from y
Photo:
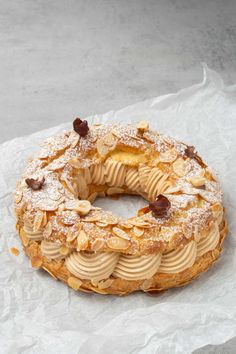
x=137 y=267
x=33 y=235
x=132 y=179
x=143 y=175
x=95 y=266
x=51 y=250
x=179 y=260
x=98 y=174
x=210 y=242
x=115 y=173
x=156 y=183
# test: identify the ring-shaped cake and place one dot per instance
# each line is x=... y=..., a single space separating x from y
x=177 y=236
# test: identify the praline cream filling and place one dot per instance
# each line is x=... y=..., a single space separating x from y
x=33 y=235
x=137 y=267
x=95 y=266
x=210 y=242
x=115 y=173
x=51 y=250
x=99 y=266
x=179 y=260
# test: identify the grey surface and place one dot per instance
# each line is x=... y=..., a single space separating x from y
x=64 y=58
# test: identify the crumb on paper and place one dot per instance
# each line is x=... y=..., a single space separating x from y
x=14 y=251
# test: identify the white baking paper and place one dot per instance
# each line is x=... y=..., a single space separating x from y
x=40 y=315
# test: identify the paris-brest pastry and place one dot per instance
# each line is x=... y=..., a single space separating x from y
x=174 y=238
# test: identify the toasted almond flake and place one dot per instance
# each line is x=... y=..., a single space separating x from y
x=71 y=235
x=168 y=156
x=14 y=251
x=38 y=219
x=18 y=196
x=146 y=284
x=94 y=282
x=126 y=225
x=102 y=224
x=83 y=190
x=64 y=250
x=181 y=167
x=137 y=231
x=48 y=205
x=24 y=237
x=74 y=283
x=117 y=243
x=139 y=223
x=74 y=162
x=143 y=126
x=36 y=261
x=104 y=284
x=120 y=233
x=92 y=218
x=97 y=244
x=110 y=140
x=82 y=241
x=99 y=291
x=197 y=181
x=73 y=139
x=102 y=148
x=49 y=272
x=115 y=190
x=48 y=230
x=92 y=197
x=44 y=221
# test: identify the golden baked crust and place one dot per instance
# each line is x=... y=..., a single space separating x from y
x=63 y=233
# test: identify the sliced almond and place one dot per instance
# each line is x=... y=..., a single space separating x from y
x=38 y=220
x=197 y=181
x=74 y=162
x=44 y=221
x=36 y=261
x=15 y=251
x=168 y=156
x=102 y=148
x=120 y=233
x=71 y=235
x=126 y=225
x=24 y=237
x=181 y=167
x=64 y=250
x=146 y=284
x=115 y=190
x=117 y=243
x=98 y=244
x=74 y=283
x=82 y=241
x=48 y=230
x=83 y=190
x=139 y=223
x=137 y=231
x=102 y=224
x=94 y=282
x=143 y=126
x=18 y=196
x=104 y=284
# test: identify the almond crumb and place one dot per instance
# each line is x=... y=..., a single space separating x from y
x=14 y=251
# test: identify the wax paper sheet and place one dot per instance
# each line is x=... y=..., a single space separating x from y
x=41 y=315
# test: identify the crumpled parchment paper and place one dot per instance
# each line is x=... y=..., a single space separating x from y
x=40 y=315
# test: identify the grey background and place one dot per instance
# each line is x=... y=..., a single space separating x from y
x=64 y=58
